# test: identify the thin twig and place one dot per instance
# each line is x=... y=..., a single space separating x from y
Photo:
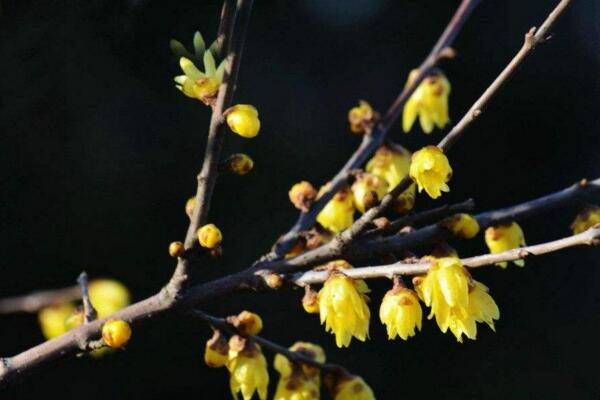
x=589 y=237
x=293 y=356
x=89 y=312
x=33 y=302
x=235 y=28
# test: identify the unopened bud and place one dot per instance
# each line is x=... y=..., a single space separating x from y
x=176 y=249
x=302 y=195
x=239 y=164
x=209 y=236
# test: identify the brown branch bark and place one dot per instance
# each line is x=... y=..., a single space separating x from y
x=293 y=356
x=589 y=237
x=33 y=302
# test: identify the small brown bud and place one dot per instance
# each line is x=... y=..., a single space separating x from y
x=239 y=164
x=310 y=301
x=302 y=195
x=381 y=222
x=274 y=281
x=216 y=252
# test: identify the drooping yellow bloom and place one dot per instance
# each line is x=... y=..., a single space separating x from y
x=349 y=387
x=401 y=313
x=248 y=369
x=457 y=301
x=343 y=309
x=209 y=236
x=431 y=171
x=243 y=120
x=586 y=219
x=429 y=101
x=462 y=225
x=216 y=351
x=362 y=117
x=501 y=238
x=368 y=190
x=197 y=84
x=392 y=164
x=338 y=213
x=299 y=382
x=116 y=333
x=108 y=296
x=52 y=319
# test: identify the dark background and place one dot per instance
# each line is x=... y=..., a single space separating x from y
x=99 y=153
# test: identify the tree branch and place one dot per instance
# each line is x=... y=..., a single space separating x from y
x=293 y=356
x=35 y=301
x=233 y=29
x=589 y=237
x=89 y=313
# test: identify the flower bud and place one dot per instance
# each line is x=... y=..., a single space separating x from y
x=176 y=249
x=274 y=281
x=247 y=323
x=209 y=236
x=189 y=206
x=310 y=301
x=116 y=333
x=362 y=117
x=302 y=195
x=239 y=164
x=586 y=218
x=52 y=319
x=243 y=120
x=462 y=225
x=108 y=296
x=368 y=190
x=216 y=350
x=505 y=237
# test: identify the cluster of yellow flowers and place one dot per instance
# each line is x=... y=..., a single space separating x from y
x=456 y=300
x=106 y=295
x=247 y=365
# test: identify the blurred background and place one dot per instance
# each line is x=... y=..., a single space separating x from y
x=99 y=153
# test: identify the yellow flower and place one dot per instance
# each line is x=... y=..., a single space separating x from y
x=338 y=213
x=343 y=309
x=209 y=236
x=302 y=195
x=501 y=238
x=462 y=225
x=189 y=206
x=392 y=164
x=362 y=117
x=52 y=319
x=401 y=313
x=349 y=387
x=429 y=101
x=116 y=333
x=367 y=190
x=457 y=301
x=108 y=296
x=203 y=86
x=299 y=382
x=586 y=219
x=248 y=369
x=216 y=352
x=243 y=120
x=445 y=286
x=431 y=171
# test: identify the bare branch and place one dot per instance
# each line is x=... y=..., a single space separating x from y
x=33 y=302
x=293 y=356
x=589 y=237
x=89 y=313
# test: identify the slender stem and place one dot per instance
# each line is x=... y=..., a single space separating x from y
x=589 y=237
x=89 y=312
x=33 y=302
x=293 y=356
x=234 y=29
